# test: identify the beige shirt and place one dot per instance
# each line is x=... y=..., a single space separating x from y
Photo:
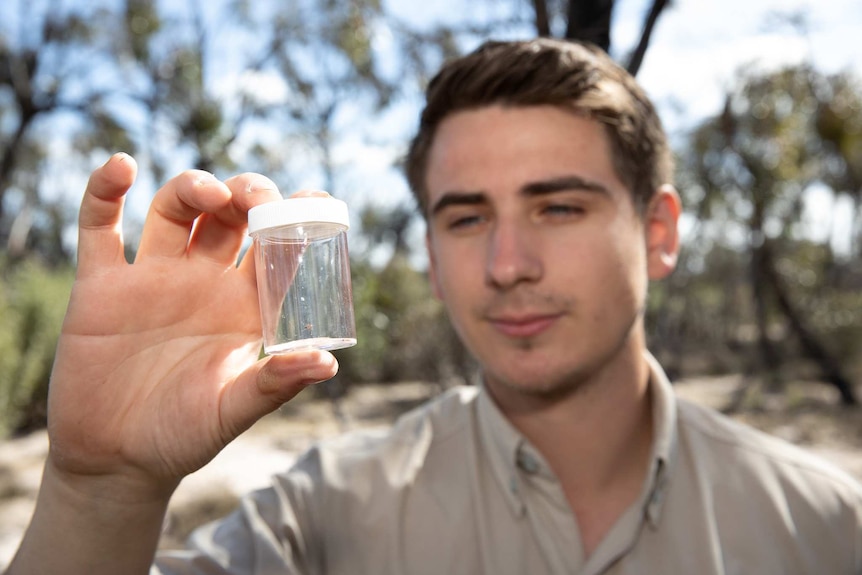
x=454 y=489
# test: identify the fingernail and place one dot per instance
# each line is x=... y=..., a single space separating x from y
x=254 y=188
x=321 y=369
x=304 y=368
x=206 y=178
x=118 y=157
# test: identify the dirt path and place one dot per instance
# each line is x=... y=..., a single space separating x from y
x=806 y=415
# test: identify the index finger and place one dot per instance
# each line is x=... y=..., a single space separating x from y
x=100 y=234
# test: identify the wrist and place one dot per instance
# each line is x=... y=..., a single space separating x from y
x=107 y=490
x=92 y=525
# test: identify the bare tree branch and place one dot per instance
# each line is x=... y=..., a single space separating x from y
x=590 y=20
x=543 y=24
x=638 y=55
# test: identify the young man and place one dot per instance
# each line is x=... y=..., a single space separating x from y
x=543 y=173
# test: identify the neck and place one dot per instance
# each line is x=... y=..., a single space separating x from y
x=597 y=439
x=599 y=433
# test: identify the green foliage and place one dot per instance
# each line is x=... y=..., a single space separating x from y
x=402 y=330
x=142 y=22
x=752 y=280
x=838 y=121
x=353 y=34
x=33 y=300
x=362 y=362
x=52 y=70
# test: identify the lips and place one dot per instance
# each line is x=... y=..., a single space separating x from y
x=523 y=326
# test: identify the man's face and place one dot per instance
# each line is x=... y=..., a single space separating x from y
x=535 y=246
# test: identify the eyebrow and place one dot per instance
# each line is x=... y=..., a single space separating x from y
x=562 y=184
x=531 y=189
x=457 y=198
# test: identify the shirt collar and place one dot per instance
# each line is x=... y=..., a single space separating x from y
x=510 y=453
x=502 y=442
x=664 y=447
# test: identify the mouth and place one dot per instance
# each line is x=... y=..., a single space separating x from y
x=523 y=326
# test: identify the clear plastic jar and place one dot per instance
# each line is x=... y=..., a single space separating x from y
x=303 y=273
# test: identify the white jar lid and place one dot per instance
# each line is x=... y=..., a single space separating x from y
x=294 y=211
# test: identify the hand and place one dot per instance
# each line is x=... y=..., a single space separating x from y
x=157 y=366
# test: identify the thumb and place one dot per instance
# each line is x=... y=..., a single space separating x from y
x=270 y=383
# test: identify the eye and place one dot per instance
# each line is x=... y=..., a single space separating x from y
x=562 y=210
x=464 y=222
x=460 y=220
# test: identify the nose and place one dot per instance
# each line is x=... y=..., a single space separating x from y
x=513 y=257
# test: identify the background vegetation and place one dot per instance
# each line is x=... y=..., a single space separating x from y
x=756 y=292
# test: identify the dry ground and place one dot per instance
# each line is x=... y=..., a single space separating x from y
x=807 y=414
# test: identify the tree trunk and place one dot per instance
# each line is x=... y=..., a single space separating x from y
x=590 y=20
x=811 y=344
x=7 y=161
x=771 y=359
x=637 y=56
x=759 y=262
x=543 y=23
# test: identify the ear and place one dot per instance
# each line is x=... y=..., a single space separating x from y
x=432 y=268
x=662 y=233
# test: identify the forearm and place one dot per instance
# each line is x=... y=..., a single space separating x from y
x=87 y=528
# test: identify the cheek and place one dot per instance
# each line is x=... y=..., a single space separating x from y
x=614 y=267
x=450 y=272
x=631 y=271
x=454 y=281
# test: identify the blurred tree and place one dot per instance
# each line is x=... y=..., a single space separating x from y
x=73 y=90
x=32 y=303
x=296 y=66
x=752 y=169
x=412 y=336
x=69 y=80
x=307 y=71
x=49 y=94
x=838 y=122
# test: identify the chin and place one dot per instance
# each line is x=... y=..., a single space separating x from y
x=537 y=383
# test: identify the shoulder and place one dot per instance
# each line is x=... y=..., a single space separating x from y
x=743 y=453
x=396 y=452
x=749 y=492
x=441 y=417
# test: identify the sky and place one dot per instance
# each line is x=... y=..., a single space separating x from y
x=699 y=45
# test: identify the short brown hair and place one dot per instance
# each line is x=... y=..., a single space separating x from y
x=572 y=75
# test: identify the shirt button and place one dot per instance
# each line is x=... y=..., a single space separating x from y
x=527 y=463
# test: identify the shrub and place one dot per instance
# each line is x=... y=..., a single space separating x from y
x=33 y=301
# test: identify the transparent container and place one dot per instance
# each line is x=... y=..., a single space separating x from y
x=303 y=273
